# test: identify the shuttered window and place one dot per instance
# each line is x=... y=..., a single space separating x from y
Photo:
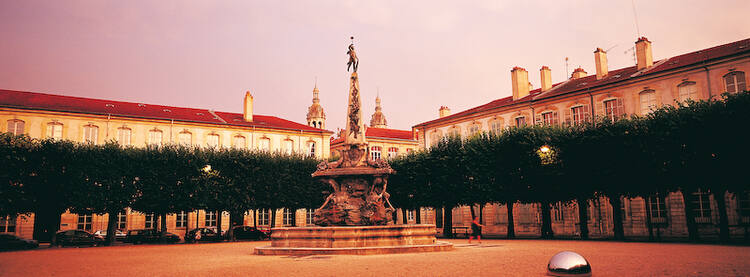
x=578 y=114
x=687 y=90
x=16 y=126
x=648 y=101
x=735 y=81
x=123 y=136
x=613 y=109
x=90 y=133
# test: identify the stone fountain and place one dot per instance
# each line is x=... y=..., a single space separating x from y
x=355 y=217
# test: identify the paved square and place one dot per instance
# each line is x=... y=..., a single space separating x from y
x=492 y=258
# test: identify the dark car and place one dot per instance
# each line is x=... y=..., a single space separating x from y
x=249 y=233
x=206 y=234
x=75 y=237
x=150 y=236
x=11 y=242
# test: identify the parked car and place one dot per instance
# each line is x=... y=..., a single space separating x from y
x=249 y=233
x=119 y=234
x=75 y=237
x=206 y=234
x=11 y=242
x=150 y=236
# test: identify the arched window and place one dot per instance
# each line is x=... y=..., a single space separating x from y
x=315 y=123
x=264 y=144
x=90 y=133
x=474 y=129
x=311 y=146
x=155 y=136
x=496 y=125
x=54 y=130
x=735 y=81
x=16 y=126
x=123 y=136
x=687 y=90
x=185 y=138
x=375 y=153
x=212 y=140
x=239 y=142
x=454 y=131
x=288 y=146
x=648 y=101
x=392 y=152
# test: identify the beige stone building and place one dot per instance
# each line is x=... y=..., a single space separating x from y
x=635 y=90
x=97 y=121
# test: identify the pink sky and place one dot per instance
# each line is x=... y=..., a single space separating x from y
x=421 y=55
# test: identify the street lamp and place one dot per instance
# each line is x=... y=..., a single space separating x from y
x=207 y=168
x=544 y=149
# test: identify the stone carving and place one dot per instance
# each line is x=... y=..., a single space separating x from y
x=359 y=185
x=353 y=60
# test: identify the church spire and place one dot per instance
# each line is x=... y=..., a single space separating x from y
x=315 y=115
x=378 y=118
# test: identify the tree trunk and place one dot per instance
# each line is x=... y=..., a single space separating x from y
x=439 y=217
x=395 y=216
x=649 y=224
x=546 y=221
x=403 y=215
x=481 y=213
x=448 y=222
x=219 y=221
x=418 y=212
x=583 y=217
x=273 y=217
x=255 y=218
x=111 y=228
x=723 y=220
x=511 y=222
x=616 y=203
x=46 y=224
x=294 y=217
x=163 y=224
x=473 y=213
x=690 y=218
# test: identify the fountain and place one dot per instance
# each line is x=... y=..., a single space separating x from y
x=354 y=217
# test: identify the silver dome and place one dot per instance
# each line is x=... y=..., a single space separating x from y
x=568 y=263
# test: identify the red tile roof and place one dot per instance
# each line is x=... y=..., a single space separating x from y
x=61 y=103
x=614 y=76
x=382 y=133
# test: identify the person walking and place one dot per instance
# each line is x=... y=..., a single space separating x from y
x=476 y=230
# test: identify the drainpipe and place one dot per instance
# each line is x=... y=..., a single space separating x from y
x=708 y=81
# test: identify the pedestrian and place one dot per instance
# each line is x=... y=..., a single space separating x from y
x=476 y=230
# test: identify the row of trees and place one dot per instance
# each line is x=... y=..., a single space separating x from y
x=691 y=146
x=48 y=177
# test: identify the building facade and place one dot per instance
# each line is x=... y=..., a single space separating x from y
x=97 y=121
x=635 y=90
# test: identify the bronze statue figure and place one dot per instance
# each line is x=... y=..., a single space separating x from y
x=353 y=60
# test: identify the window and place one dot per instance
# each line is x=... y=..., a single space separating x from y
x=54 y=130
x=496 y=126
x=701 y=206
x=408 y=151
x=735 y=81
x=578 y=115
x=288 y=146
x=311 y=146
x=613 y=109
x=212 y=140
x=558 y=212
x=743 y=202
x=375 y=153
x=7 y=224
x=454 y=131
x=210 y=220
x=154 y=137
x=474 y=129
x=410 y=215
x=185 y=138
x=149 y=221
x=687 y=90
x=648 y=101
x=123 y=136
x=529 y=214
x=264 y=144
x=90 y=133
x=239 y=142
x=548 y=118
x=288 y=217
x=501 y=217
x=16 y=126
x=263 y=218
x=520 y=121
x=122 y=220
x=84 y=222
x=181 y=220
x=435 y=137
x=657 y=209
x=309 y=216
x=392 y=152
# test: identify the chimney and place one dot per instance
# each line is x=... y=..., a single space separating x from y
x=578 y=73
x=248 y=114
x=546 y=75
x=520 y=79
x=600 y=58
x=643 y=53
x=444 y=111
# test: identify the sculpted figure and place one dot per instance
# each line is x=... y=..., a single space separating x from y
x=353 y=60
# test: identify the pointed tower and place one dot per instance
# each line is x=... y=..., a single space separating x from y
x=315 y=115
x=378 y=118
